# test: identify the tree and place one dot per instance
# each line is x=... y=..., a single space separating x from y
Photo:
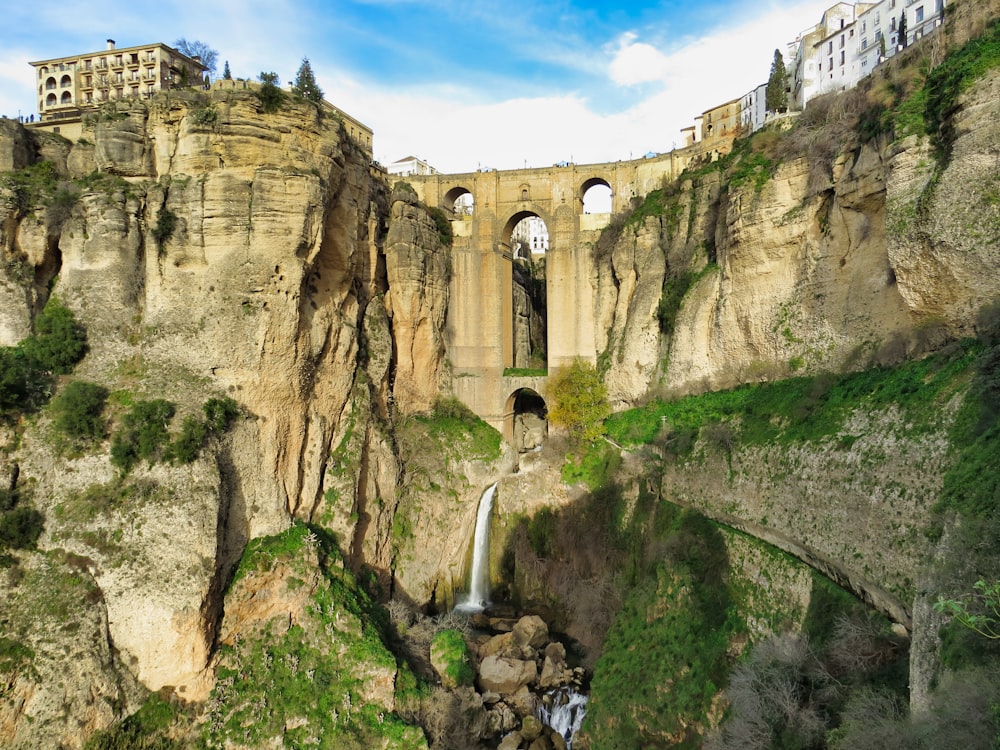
x=270 y=94
x=776 y=95
x=199 y=49
x=579 y=401
x=986 y=599
x=305 y=83
x=902 y=29
x=226 y=74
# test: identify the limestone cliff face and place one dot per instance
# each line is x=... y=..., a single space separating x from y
x=825 y=266
x=210 y=249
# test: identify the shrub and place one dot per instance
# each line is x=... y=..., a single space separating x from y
x=20 y=528
x=166 y=223
x=186 y=447
x=77 y=410
x=142 y=434
x=59 y=342
x=579 y=401
x=270 y=94
x=220 y=413
x=443 y=226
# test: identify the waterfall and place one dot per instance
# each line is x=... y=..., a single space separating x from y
x=479 y=580
x=564 y=712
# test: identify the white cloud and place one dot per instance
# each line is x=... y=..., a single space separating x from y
x=636 y=62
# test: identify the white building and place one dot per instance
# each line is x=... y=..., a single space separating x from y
x=851 y=40
x=409 y=166
x=753 y=109
x=529 y=238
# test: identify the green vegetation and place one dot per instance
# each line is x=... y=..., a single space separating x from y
x=803 y=408
x=454 y=426
x=144 y=432
x=166 y=223
x=980 y=613
x=142 y=435
x=305 y=684
x=305 y=85
x=77 y=412
x=443 y=225
x=776 y=94
x=954 y=75
x=27 y=370
x=525 y=372
x=146 y=729
x=578 y=401
x=20 y=523
x=33 y=185
x=665 y=656
x=674 y=289
x=450 y=647
x=269 y=94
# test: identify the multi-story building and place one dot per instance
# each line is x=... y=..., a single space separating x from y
x=68 y=86
x=720 y=125
x=851 y=40
x=753 y=109
x=409 y=166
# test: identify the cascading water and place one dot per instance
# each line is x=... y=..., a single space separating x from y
x=564 y=712
x=479 y=579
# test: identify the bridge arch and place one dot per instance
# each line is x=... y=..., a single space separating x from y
x=459 y=200
x=595 y=196
x=525 y=423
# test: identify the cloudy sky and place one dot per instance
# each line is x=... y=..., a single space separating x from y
x=463 y=86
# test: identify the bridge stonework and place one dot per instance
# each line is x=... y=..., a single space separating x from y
x=480 y=329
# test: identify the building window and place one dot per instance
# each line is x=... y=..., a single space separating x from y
x=920 y=14
x=864 y=43
x=876 y=20
x=842 y=40
x=892 y=4
x=841 y=58
x=50 y=100
x=43 y=71
x=50 y=84
x=892 y=24
x=878 y=36
x=65 y=81
x=67 y=98
x=829 y=48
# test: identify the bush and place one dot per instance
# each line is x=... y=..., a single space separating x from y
x=579 y=401
x=20 y=528
x=220 y=413
x=77 y=410
x=142 y=434
x=59 y=342
x=26 y=370
x=166 y=223
x=186 y=447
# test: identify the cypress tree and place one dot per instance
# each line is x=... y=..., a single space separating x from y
x=226 y=74
x=776 y=94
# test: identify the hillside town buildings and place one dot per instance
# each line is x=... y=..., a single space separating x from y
x=68 y=86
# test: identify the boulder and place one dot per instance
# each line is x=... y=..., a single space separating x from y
x=505 y=676
x=532 y=728
x=498 y=645
x=511 y=742
x=530 y=631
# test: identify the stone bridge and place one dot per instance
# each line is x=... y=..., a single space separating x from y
x=480 y=331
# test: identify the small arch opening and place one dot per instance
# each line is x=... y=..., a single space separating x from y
x=596 y=196
x=66 y=98
x=528 y=238
x=50 y=100
x=529 y=420
x=65 y=81
x=460 y=201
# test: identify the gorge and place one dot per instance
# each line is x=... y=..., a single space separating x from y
x=253 y=529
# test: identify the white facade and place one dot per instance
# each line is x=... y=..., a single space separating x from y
x=530 y=237
x=851 y=40
x=753 y=109
x=409 y=166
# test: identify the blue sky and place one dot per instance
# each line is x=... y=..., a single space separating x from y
x=464 y=86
